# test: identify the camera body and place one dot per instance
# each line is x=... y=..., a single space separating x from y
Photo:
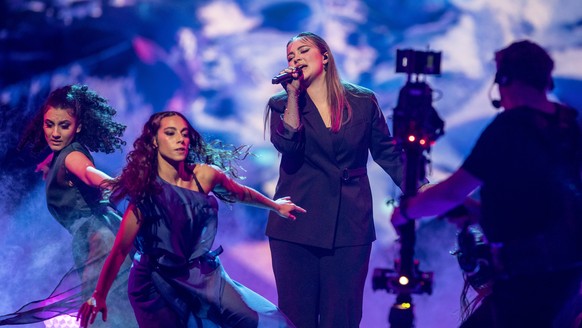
x=415 y=119
x=475 y=258
x=418 y=62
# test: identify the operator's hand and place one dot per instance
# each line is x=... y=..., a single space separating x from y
x=398 y=219
x=465 y=214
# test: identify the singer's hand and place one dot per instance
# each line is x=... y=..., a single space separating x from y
x=292 y=86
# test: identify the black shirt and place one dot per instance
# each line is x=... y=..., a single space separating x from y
x=529 y=163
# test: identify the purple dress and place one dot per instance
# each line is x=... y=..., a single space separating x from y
x=176 y=280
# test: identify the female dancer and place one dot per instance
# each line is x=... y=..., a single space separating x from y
x=176 y=279
x=73 y=121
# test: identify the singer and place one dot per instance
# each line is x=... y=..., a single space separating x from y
x=324 y=129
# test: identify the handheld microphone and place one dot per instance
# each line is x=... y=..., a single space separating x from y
x=285 y=76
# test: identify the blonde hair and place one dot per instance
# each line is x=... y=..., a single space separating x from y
x=336 y=92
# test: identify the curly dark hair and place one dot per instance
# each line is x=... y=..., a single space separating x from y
x=138 y=178
x=99 y=133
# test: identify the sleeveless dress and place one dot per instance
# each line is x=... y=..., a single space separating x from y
x=176 y=280
x=93 y=224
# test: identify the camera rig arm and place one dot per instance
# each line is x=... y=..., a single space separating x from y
x=417 y=125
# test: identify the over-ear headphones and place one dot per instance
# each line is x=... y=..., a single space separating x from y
x=526 y=62
x=502 y=77
x=509 y=71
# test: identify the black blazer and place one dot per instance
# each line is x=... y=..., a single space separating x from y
x=324 y=172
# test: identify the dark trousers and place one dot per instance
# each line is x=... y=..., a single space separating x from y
x=320 y=287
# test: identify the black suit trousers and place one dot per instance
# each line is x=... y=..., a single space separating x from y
x=318 y=287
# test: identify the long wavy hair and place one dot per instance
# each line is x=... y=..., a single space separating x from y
x=99 y=132
x=138 y=178
x=336 y=93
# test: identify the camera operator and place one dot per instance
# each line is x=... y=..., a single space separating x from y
x=527 y=163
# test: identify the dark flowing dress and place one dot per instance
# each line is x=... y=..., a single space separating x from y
x=93 y=224
x=177 y=280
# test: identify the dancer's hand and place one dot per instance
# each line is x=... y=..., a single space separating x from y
x=44 y=165
x=286 y=206
x=88 y=311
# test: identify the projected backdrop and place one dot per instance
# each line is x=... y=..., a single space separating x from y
x=213 y=61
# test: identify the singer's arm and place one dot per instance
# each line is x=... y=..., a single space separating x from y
x=289 y=81
x=285 y=138
x=291 y=114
